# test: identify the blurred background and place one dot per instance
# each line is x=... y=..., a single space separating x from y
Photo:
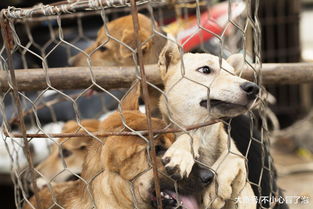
x=286 y=27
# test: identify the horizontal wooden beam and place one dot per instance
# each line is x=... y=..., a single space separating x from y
x=117 y=77
x=283 y=73
x=77 y=78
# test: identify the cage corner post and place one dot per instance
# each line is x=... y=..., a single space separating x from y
x=8 y=41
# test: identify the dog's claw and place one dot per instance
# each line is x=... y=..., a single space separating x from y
x=172 y=170
x=166 y=160
x=176 y=177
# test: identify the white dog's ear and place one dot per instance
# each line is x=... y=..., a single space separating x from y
x=170 y=55
x=237 y=61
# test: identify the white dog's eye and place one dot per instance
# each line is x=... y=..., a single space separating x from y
x=205 y=70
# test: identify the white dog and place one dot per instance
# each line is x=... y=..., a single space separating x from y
x=198 y=90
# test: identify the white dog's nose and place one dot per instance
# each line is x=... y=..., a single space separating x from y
x=251 y=89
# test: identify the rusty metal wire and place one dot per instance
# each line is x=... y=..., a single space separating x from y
x=67 y=29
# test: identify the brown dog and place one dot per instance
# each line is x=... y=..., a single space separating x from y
x=117 y=173
x=72 y=150
x=116 y=43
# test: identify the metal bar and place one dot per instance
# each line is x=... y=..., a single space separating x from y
x=86 y=13
x=103 y=133
x=66 y=7
x=75 y=15
x=146 y=98
x=9 y=45
x=117 y=77
x=54 y=17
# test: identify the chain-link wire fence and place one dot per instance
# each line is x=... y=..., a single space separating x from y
x=68 y=64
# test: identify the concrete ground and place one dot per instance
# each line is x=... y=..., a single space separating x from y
x=295 y=185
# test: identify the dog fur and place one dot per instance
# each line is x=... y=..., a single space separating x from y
x=116 y=163
x=73 y=150
x=110 y=168
x=187 y=100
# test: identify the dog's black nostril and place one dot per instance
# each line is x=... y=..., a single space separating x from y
x=206 y=176
x=251 y=89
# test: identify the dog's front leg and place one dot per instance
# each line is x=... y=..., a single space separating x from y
x=180 y=157
x=229 y=182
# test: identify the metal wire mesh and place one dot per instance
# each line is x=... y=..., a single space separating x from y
x=46 y=37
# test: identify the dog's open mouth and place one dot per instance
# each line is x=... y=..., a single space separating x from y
x=219 y=103
x=170 y=200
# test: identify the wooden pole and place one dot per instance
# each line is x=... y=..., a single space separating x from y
x=283 y=73
x=116 y=77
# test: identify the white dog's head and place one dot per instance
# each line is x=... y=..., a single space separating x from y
x=199 y=88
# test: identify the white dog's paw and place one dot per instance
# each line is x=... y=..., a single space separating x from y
x=178 y=163
x=178 y=159
x=217 y=195
x=41 y=182
x=212 y=201
x=228 y=184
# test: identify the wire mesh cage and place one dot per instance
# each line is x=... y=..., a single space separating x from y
x=68 y=65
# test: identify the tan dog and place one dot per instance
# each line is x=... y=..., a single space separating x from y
x=73 y=150
x=200 y=93
x=119 y=172
x=116 y=43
